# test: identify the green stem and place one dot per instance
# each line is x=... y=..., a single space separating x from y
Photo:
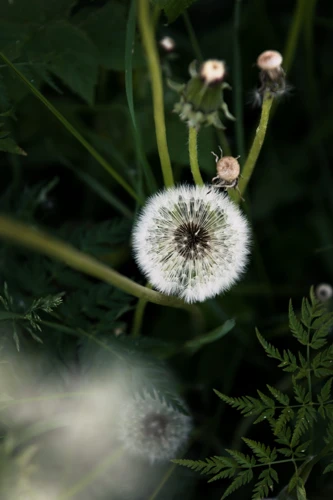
x=147 y=34
x=22 y=234
x=130 y=40
x=255 y=148
x=237 y=84
x=193 y=152
x=92 y=475
x=192 y=37
x=164 y=479
x=138 y=315
x=98 y=157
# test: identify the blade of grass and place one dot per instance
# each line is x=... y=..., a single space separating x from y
x=130 y=40
x=98 y=157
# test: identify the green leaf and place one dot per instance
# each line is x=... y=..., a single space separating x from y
x=195 y=344
x=270 y=350
x=106 y=28
x=279 y=396
x=265 y=484
x=241 y=479
x=72 y=57
x=9 y=146
x=296 y=327
x=212 y=465
x=245 y=404
x=264 y=453
x=173 y=8
x=328 y=468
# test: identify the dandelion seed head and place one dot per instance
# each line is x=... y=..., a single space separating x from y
x=269 y=60
x=192 y=242
x=152 y=429
x=323 y=292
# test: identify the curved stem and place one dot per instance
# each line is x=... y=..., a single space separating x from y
x=98 y=157
x=255 y=148
x=138 y=315
x=295 y=29
x=147 y=34
x=22 y=234
x=193 y=152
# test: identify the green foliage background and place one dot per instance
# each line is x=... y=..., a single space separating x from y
x=74 y=52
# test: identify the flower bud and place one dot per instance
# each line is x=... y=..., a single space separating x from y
x=272 y=75
x=202 y=97
x=167 y=44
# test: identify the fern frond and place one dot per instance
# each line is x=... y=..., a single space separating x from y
x=241 y=479
x=264 y=453
x=304 y=420
x=296 y=327
x=245 y=404
x=279 y=396
x=271 y=351
x=265 y=483
x=212 y=465
x=242 y=459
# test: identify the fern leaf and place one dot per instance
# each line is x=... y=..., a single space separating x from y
x=241 y=479
x=264 y=453
x=279 y=396
x=325 y=393
x=242 y=459
x=306 y=312
x=328 y=468
x=245 y=404
x=296 y=327
x=271 y=351
x=212 y=465
x=304 y=421
x=265 y=483
x=285 y=416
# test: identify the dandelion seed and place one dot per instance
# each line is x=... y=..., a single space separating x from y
x=213 y=255
x=152 y=429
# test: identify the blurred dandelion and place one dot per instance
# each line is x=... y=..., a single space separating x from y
x=152 y=429
x=323 y=292
x=191 y=241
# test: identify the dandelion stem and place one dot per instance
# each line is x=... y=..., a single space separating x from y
x=255 y=148
x=223 y=142
x=147 y=34
x=193 y=152
x=75 y=133
x=138 y=315
x=22 y=234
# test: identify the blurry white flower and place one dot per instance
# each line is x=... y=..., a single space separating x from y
x=192 y=242
x=152 y=429
x=323 y=292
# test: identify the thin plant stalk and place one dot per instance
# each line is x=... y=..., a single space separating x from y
x=223 y=142
x=75 y=133
x=21 y=234
x=294 y=32
x=193 y=152
x=154 y=66
x=255 y=148
x=138 y=315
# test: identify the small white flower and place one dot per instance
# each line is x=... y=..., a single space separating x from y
x=192 y=242
x=152 y=429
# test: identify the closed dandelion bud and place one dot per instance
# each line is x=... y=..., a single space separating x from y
x=152 y=429
x=192 y=242
x=167 y=44
x=272 y=75
x=202 y=97
x=228 y=171
x=323 y=292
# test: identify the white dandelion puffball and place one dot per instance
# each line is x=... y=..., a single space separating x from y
x=191 y=241
x=152 y=429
